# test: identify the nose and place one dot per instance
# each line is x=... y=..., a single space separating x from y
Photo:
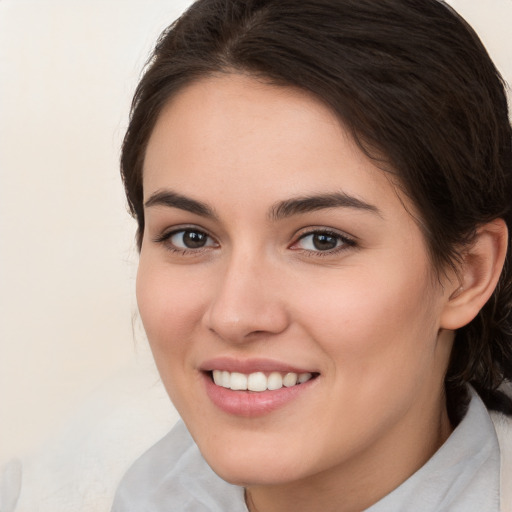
x=247 y=302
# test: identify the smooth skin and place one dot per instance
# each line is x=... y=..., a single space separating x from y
x=234 y=263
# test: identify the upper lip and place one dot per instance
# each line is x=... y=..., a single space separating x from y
x=252 y=365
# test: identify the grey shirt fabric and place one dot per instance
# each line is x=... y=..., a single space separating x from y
x=462 y=476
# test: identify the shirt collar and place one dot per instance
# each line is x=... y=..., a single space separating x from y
x=463 y=475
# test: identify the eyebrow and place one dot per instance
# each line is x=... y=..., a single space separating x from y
x=174 y=200
x=281 y=210
x=306 y=204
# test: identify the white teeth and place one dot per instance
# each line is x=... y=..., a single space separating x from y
x=258 y=381
x=275 y=381
x=290 y=379
x=304 y=377
x=217 y=377
x=238 y=381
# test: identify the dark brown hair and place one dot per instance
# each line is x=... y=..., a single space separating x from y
x=415 y=86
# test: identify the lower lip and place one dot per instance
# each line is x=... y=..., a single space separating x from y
x=252 y=403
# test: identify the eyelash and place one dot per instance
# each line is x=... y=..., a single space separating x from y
x=345 y=242
x=165 y=238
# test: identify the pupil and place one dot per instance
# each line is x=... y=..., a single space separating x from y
x=193 y=239
x=324 y=242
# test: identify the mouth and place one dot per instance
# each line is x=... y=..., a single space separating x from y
x=259 y=381
x=254 y=388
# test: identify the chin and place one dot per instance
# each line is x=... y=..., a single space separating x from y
x=253 y=473
x=245 y=465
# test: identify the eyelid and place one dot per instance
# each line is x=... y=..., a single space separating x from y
x=166 y=235
x=347 y=241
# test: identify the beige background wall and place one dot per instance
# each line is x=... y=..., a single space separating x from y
x=67 y=259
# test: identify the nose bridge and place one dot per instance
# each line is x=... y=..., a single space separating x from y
x=246 y=300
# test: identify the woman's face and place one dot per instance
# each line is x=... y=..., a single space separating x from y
x=274 y=246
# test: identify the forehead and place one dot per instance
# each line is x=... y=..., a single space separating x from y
x=231 y=108
x=234 y=133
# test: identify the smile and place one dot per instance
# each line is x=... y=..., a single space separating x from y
x=254 y=390
x=258 y=381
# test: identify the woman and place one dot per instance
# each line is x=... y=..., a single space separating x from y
x=323 y=195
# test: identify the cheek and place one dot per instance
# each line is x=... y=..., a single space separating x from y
x=374 y=323
x=170 y=305
x=379 y=335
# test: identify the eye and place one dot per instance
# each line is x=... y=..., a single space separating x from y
x=323 y=241
x=187 y=240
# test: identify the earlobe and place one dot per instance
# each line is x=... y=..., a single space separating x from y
x=480 y=270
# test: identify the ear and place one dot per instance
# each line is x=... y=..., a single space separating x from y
x=478 y=275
